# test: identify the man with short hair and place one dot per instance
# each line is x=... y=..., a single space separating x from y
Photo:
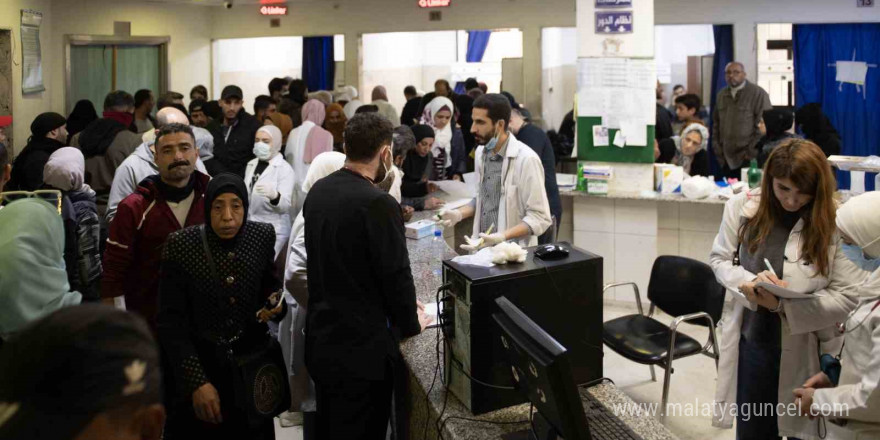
x=278 y=87
x=409 y=115
x=264 y=106
x=168 y=98
x=106 y=142
x=738 y=110
x=511 y=197
x=89 y=372
x=162 y=204
x=48 y=134
x=538 y=141
x=141 y=164
x=197 y=113
x=198 y=92
x=358 y=271
x=143 y=106
x=233 y=134
x=687 y=106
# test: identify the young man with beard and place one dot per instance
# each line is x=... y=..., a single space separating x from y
x=162 y=204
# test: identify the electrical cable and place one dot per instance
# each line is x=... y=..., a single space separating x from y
x=595 y=382
x=437 y=367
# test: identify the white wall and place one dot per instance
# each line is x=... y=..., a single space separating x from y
x=558 y=68
x=673 y=44
x=251 y=63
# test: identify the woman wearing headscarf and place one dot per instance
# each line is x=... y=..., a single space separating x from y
x=82 y=115
x=33 y=279
x=850 y=402
x=304 y=144
x=818 y=128
x=284 y=124
x=447 y=152
x=65 y=171
x=380 y=99
x=335 y=124
x=417 y=166
x=206 y=313
x=269 y=180
x=688 y=150
x=774 y=125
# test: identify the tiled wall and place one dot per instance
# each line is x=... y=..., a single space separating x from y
x=630 y=234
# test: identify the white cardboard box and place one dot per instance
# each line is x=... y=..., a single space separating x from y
x=420 y=229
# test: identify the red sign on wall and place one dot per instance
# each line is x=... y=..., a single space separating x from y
x=273 y=10
x=434 y=3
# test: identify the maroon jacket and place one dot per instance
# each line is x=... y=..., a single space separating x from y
x=134 y=248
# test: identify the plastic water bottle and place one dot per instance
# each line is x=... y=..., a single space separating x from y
x=438 y=245
x=754 y=174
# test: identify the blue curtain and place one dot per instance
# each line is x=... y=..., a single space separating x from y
x=723 y=55
x=855 y=113
x=319 y=67
x=477 y=42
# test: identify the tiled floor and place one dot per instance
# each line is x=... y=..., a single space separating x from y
x=693 y=382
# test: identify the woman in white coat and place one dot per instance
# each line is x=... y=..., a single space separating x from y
x=269 y=181
x=852 y=405
x=770 y=345
x=304 y=144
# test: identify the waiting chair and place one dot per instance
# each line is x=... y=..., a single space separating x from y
x=683 y=288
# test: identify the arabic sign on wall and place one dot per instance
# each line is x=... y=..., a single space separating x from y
x=614 y=22
x=613 y=4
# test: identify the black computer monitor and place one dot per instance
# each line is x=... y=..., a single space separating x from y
x=542 y=371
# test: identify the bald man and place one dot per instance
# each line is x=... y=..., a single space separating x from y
x=738 y=110
x=140 y=164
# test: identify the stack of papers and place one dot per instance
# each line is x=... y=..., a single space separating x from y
x=566 y=181
x=596 y=172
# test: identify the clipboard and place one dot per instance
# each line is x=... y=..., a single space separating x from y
x=782 y=292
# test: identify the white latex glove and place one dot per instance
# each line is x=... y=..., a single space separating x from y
x=266 y=191
x=448 y=218
x=485 y=240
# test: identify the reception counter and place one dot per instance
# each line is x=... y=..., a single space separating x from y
x=631 y=229
x=422 y=408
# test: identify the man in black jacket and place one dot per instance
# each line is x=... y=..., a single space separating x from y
x=361 y=293
x=233 y=135
x=48 y=133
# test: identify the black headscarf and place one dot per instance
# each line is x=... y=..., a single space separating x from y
x=421 y=132
x=82 y=115
x=777 y=121
x=224 y=183
x=817 y=128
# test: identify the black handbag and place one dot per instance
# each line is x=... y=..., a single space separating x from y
x=259 y=375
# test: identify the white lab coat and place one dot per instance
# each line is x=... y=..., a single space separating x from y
x=293 y=153
x=808 y=325
x=280 y=176
x=523 y=195
x=858 y=391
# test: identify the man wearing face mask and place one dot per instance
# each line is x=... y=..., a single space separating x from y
x=162 y=204
x=511 y=198
x=358 y=272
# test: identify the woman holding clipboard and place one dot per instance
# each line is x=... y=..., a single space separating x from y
x=770 y=346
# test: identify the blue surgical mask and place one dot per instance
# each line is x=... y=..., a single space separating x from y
x=262 y=150
x=492 y=143
x=857 y=256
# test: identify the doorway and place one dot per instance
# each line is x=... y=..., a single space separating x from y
x=97 y=65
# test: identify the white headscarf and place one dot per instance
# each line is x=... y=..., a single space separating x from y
x=858 y=219
x=65 y=169
x=442 y=137
x=274 y=133
x=324 y=165
x=686 y=161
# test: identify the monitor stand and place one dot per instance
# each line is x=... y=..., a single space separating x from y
x=543 y=429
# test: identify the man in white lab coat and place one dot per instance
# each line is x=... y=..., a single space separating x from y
x=511 y=195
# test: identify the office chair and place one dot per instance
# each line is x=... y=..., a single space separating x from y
x=683 y=288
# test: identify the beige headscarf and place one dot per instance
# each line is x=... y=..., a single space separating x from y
x=858 y=219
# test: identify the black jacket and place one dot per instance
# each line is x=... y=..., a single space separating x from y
x=415 y=168
x=233 y=152
x=538 y=141
x=82 y=243
x=410 y=114
x=361 y=290
x=663 y=127
x=27 y=169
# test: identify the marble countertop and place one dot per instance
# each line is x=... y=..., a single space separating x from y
x=420 y=354
x=644 y=195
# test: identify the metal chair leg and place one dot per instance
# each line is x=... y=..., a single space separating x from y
x=653 y=375
x=666 y=381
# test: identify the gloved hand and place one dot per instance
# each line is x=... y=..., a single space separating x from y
x=449 y=218
x=266 y=191
x=485 y=240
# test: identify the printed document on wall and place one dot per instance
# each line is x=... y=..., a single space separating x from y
x=31 y=58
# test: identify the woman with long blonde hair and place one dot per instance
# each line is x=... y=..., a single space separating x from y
x=784 y=234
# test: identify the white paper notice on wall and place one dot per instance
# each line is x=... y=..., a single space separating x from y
x=600 y=136
x=636 y=132
x=619 y=139
x=853 y=72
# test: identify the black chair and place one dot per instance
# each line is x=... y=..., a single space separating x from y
x=683 y=288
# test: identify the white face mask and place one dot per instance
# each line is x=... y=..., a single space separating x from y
x=490 y=146
x=262 y=150
x=387 y=177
